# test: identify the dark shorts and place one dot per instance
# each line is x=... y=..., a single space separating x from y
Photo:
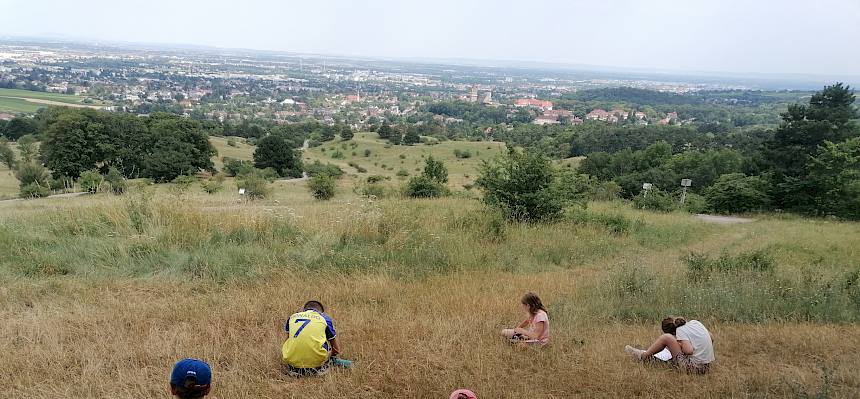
x=307 y=372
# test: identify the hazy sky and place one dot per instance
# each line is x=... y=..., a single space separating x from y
x=819 y=37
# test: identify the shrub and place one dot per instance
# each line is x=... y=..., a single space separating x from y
x=737 y=192
x=614 y=223
x=699 y=266
x=358 y=167
x=367 y=153
x=376 y=178
x=318 y=168
x=337 y=155
x=402 y=156
x=655 y=200
x=90 y=181
x=236 y=167
x=116 y=180
x=231 y=142
x=402 y=173
x=256 y=186
x=322 y=187
x=606 y=191
x=436 y=170
x=695 y=203
x=183 y=182
x=424 y=187
x=373 y=191
x=34 y=190
x=211 y=186
x=523 y=185
x=462 y=154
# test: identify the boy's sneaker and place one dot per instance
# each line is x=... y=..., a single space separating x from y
x=341 y=362
x=635 y=353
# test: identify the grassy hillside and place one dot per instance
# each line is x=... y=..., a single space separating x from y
x=241 y=150
x=123 y=286
x=387 y=160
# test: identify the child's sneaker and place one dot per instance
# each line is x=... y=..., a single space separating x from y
x=341 y=362
x=635 y=353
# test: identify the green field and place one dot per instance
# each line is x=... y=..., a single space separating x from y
x=26 y=101
x=240 y=151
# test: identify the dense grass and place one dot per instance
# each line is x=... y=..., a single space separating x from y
x=103 y=285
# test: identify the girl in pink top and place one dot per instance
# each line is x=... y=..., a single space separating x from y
x=535 y=328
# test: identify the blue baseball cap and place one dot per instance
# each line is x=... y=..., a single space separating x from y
x=191 y=368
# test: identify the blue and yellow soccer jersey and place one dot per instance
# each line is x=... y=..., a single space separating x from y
x=307 y=345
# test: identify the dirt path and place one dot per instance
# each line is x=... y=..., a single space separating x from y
x=65 y=195
x=723 y=219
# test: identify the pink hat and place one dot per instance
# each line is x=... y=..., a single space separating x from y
x=463 y=394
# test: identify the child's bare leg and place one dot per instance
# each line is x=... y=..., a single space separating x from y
x=508 y=333
x=667 y=341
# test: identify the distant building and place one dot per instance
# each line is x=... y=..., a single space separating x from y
x=546 y=120
x=488 y=98
x=531 y=102
x=576 y=121
x=639 y=115
x=473 y=94
x=597 y=115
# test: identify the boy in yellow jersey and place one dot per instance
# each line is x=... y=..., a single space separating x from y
x=311 y=343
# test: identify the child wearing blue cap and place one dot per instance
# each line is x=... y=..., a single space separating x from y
x=190 y=379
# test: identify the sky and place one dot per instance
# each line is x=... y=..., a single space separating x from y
x=820 y=37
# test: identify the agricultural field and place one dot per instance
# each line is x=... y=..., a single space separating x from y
x=26 y=101
x=103 y=285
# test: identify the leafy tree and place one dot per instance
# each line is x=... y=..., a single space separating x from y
x=72 y=142
x=804 y=128
x=656 y=200
x=835 y=174
x=274 y=152
x=34 y=180
x=318 y=168
x=436 y=170
x=19 y=127
x=523 y=185
x=236 y=167
x=346 y=133
x=385 y=131
x=411 y=137
x=178 y=147
x=27 y=147
x=737 y=192
x=7 y=156
x=322 y=187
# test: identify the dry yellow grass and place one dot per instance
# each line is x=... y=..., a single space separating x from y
x=113 y=336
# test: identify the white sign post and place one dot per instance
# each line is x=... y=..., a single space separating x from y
x=685 y=183
x=645 y=188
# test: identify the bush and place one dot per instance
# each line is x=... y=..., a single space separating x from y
x=322 y=187
x=373 y=191
x=737 y=192
x=655 y=200
x=605 y=191
x=275 y=152
x=256 y=186
x=116 y=180
x=34 y=190
x=424 y=187
x=211 y=186
x=523 y=185
x=236 y=167
x=402 y=173
x=231 y=142
x=357 y=167
x=436 y=170
x=376 y=178
x=695 y=203
x=462 y=154
x=615 y=223
x=367 y=153
x=337 y=155
x=318 y=168
x=90 y=181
